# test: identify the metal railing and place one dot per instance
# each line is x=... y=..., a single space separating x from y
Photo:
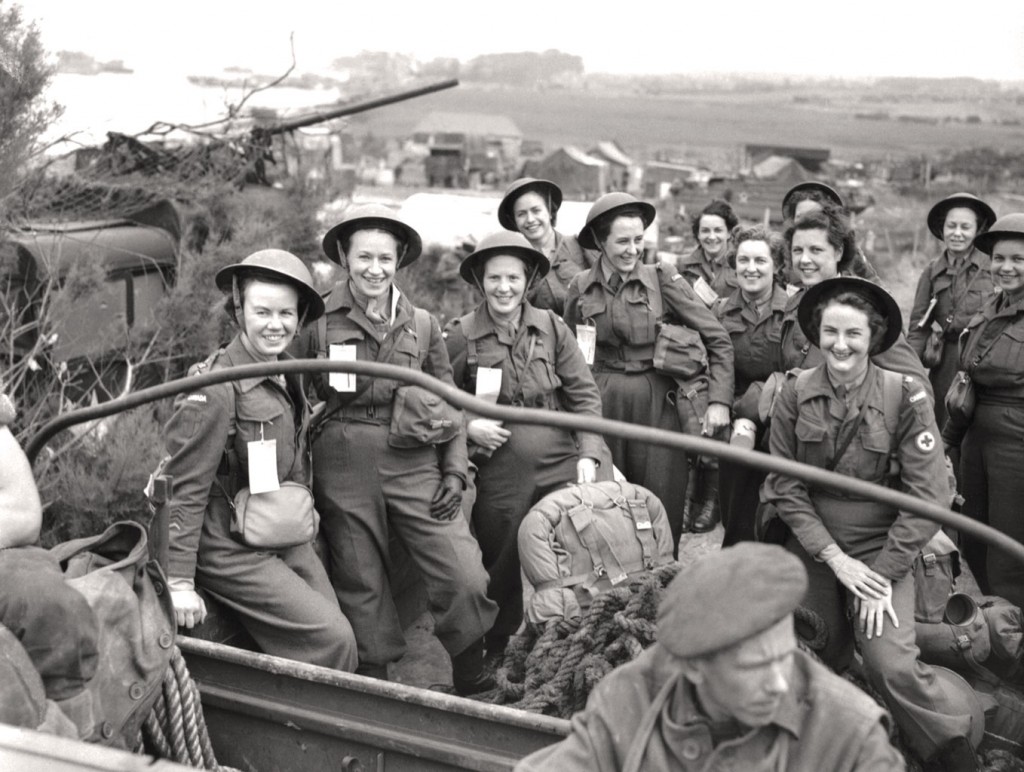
x=700 y=445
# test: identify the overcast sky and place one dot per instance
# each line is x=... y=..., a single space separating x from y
x=827 y=37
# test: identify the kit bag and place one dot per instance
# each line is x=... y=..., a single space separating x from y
x=583 y=540
x=275 y=520
x=420 y=417
x=128 y=594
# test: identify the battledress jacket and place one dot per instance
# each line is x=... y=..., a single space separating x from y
x=958 y=297
x=556 y=376
x=805 y=428
x=627 y=327
x=717 y=272
x=197 y=435
x=347 y=324
x=568 y=260
x=824 y=724
x=996 y=335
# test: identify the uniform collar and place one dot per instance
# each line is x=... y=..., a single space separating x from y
x=235 y=355
x=596 y=276
x=735 y=303
x=481 y=324
x=340 y=299
x=818 y=384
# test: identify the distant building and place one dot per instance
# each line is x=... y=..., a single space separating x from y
x=781 y=169
x=619 y=164
x=581 y=177
x=661 y=177
x=810 y=158
x=468 y=146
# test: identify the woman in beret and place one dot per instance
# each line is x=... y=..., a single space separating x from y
x=530 y=206
x=990 y=441
x=850 y=416
x=514 y=353
x=952 y=289
x=617 y=302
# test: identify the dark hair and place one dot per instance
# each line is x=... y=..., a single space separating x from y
x=836 y=225
x=603 y=225
x=808 y=194
x=545 y=194
x=400 y=244
x=877 y=322
x=247 y=276
x=717 y=208
x=776 y=248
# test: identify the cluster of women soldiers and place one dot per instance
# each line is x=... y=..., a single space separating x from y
x=578 y=323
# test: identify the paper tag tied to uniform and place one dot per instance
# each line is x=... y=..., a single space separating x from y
x=586 y=337
x=263 y=466
x=704 y=291
x=488 y=384
x=342 y=353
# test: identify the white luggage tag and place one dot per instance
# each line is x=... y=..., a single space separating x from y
x=488 y=384
x=586 y=337
x=704 y=291
x=263 y=465
x=342 y=353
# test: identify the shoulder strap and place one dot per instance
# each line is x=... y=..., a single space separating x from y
x=657 y=304
x=892 y=397
x=421 y=318
x=321 y=337
x=802 y=377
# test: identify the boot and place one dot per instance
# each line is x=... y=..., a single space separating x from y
x=468 y=674
x=955 y=756
x=691 y=507
x=708 y=513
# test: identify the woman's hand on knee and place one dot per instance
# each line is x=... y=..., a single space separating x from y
x=871 y=614
x=856 y=577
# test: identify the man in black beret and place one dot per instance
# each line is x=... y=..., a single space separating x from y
x=725 y=687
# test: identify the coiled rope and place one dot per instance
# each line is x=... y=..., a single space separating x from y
x=175 y=728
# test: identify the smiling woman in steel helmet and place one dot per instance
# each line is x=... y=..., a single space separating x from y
x=850 y=416
x=951 y=289
x=530 y=206
x=370 y=483
x=272 y=593
x=618 y=297
x=511 y=352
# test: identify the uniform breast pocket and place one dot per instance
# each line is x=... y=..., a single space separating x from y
x=1008 y=352
x=542 y=379
x=259 y=416
x=592 y=305
x=640 y=322
x=811 y=442
x=406 y=352
x=872 y=464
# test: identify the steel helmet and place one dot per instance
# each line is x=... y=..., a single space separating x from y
x=283 y=265
x=504 y=243
x=937 y=214
x=370 y=216
x=547 y=189
x=1009 y=226
x=830 y=194
x=607 y=206
x=877 y=296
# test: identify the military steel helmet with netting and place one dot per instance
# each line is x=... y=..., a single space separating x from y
x=610 y=205
x=276 y=263
x=373 y=217
x=504 y=243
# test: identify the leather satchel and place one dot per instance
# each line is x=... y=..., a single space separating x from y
x=679 y=352
x=961 y=398
x=275 y=520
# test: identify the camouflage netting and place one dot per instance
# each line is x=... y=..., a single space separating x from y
x=127 y=176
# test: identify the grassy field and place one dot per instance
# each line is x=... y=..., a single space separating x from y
x=712 y=126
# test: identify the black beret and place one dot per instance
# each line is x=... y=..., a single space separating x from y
x=726 y=597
